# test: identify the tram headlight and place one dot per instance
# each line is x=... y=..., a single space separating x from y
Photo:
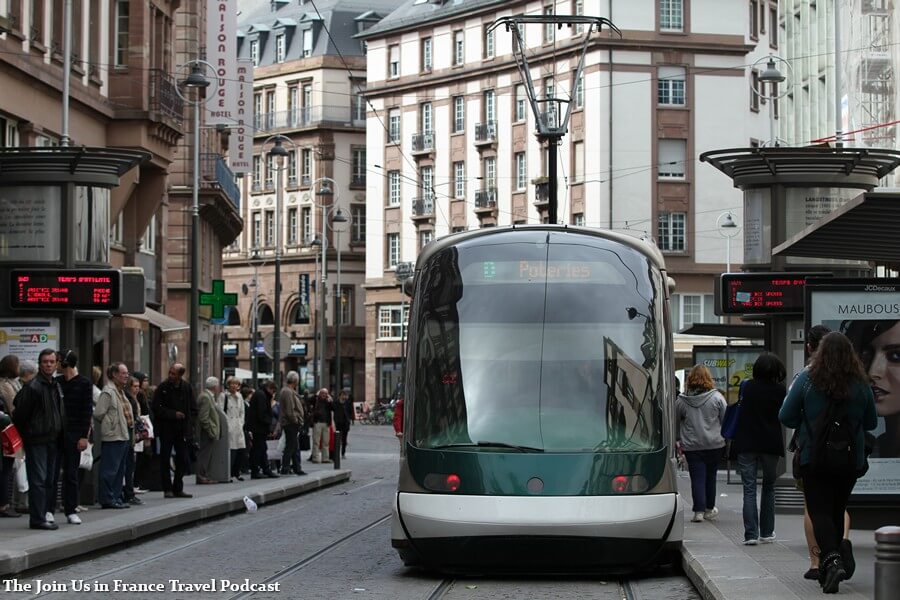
x=629 y=484
x=443 y=482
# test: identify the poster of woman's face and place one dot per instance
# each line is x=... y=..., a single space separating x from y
x=878 y=344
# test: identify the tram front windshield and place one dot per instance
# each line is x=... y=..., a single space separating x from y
x=547 y=346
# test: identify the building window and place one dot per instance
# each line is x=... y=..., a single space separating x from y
x=358 y=227
x=489 y=172
x=359 y=101
x=521 y=171
x=394 y=61
x=578 y=97
x=358 y=176
x=671 y=158
x=670 y=230
x=346 y=305
x=754 y=19
x=691 y=308
x=390 y=373
x=307 y=224
x=578 y=219
x=762 y=16
x=490 y=106
x=773 y=26
x=670 y=86
x=459 y=48
x=459 y=179
x=521 y=103
x=121 y=35
x=292 y=167
x=254 y=52
x=292 y=226
x=425 y=238
x=671 y=15
x=393 y=188
x=549 y=28
x=270 y=229
x=425 y=117
x=577 y=162
x=754 y=90
x=257 y=230
x=279 y=48
x=306 y=42
x=391 y=321
x=270 y=173
x=393 y=246
x=305 y=166
x=257 y=172
x=426 y=55
x=578 y=11
x=459 y=114
x=148 y=240
x=426 y=182
x=488 y=42
x=394 y=126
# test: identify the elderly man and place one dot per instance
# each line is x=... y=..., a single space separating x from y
x=322 y=416
x=208 y=429
x=291 y=418
x=40 y=417
x=173 y=405
x=113 y=416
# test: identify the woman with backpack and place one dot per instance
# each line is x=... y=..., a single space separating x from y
x=830 y=404
x=758 y=444
x=699 y=413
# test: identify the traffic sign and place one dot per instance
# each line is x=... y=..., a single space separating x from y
x=218 y=299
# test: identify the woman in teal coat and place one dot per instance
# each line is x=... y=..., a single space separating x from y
x=835 y=374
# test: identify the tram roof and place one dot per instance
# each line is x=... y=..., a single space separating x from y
x=454 y=239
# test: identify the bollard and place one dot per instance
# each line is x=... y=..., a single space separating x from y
x=887 y=562
x=337 y=449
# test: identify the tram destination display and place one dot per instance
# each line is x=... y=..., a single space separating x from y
x=762 y=293
x=72 y=289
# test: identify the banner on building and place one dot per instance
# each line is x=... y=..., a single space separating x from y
x=221 y=53
x=240 y=142
x=303 y=308
x=868 y=312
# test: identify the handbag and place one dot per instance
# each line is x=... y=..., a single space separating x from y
x=12 y=441
x=86 y=460
x=733 y=415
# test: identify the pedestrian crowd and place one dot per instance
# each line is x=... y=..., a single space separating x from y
x=829 y=405
x=58 y=425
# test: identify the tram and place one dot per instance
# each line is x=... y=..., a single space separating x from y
x=538 y=422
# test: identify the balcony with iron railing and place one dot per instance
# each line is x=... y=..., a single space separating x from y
x=308 y=116
x=422 y=143
x=486 y=199
x=541 y=193
x=164 y=98
x=486 y=133
x=423 y=207
x=358 y=180
x=215 y=173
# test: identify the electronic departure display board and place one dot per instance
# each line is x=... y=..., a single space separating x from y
x=763 y=293
x=62 y=289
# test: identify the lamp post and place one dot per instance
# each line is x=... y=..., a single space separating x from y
x=254 y=323
x=280 y=154
x=727 y=229
x=773 y=76
x=195 y=80
x=339 y=302
x=322 y=287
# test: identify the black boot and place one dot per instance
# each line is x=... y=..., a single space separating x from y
x=833 y=568
x=846 y=550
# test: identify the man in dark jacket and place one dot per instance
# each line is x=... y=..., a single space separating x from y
x=39 y=417
x=78 y=399
x=258 y=421
x=173 y=407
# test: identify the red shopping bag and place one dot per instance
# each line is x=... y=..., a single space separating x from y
x=331 y=439
x=12 y=441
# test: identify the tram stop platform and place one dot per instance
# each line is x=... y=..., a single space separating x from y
x=22 y=548
x=721 y=567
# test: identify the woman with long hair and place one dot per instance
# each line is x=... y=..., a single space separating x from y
x=699 y=413
x=758 y=444
x=835 y=380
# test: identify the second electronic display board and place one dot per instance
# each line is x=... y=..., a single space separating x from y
x=763 y=293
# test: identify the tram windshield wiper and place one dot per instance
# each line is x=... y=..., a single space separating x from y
x=484 y=444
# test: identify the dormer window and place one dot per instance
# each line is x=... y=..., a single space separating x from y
x=279 y=48
x=254 y=52
x=306 y=39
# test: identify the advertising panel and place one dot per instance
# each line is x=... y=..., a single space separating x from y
x=240 y=141
x=26 y=337
x=868 y=312
x=733 y=364
x=30 y=229
x=303 y=305
x=221 y=53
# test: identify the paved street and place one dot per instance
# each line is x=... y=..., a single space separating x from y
x=331 y=543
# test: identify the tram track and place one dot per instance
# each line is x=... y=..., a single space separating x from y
x=441 y=589
x=304 y=562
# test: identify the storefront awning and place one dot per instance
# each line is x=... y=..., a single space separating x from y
x=864 y=228
x=162 y=322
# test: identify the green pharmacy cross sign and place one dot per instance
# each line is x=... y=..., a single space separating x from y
x=218 y=299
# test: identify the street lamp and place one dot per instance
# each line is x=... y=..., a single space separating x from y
x=322 y=287
x=280 y=154
x=195 y=80
x=339 y=301
x=773 y=76
x=727 y=229
x=255 y=261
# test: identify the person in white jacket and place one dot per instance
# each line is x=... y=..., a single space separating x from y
x=232 y=404
x=699 y=413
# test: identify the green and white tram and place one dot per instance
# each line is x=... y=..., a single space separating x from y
x=538 y=430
